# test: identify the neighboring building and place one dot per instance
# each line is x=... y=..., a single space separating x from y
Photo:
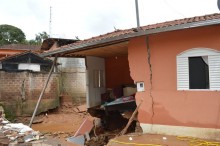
x=25 y=61
x=175 y=65
x=22 y=78
x=73 y=71
x=7 y=50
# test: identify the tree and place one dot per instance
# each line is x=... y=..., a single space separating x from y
x=41 y=36
x=11 y=35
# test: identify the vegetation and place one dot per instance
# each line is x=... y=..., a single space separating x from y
x=39 y=38
x=12 y=35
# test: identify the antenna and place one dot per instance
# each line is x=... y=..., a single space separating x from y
x=50 y=22
x=218 y=3
x=137 y=14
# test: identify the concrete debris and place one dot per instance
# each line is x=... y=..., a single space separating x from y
x=80 y=140
x=17 y=133
x=85 y=127
x=82 y=108
x=39 y=120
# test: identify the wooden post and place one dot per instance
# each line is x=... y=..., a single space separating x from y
x=131 y=119
x=42 y=92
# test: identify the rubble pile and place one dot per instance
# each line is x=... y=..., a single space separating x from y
x=15 y=133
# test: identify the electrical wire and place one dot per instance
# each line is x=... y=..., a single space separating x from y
x=174 y=9
x=197 y=142
x=192 y=142
x=131 y=143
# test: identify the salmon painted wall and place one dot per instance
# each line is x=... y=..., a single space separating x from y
x=117 y=71
x=172 y=107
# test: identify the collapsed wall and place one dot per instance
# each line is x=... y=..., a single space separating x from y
x=19 y=92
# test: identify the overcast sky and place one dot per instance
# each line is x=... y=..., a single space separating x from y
x=87 y=18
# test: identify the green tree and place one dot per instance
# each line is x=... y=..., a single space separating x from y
x=11 y=35
x=41 y=36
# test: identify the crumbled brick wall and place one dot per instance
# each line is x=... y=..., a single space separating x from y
x=22 y=89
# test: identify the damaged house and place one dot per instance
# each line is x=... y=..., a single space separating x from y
x=72 y=72
x=174 y=65
x=22 y=77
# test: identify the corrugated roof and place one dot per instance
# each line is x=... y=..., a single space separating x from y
x=130 y=32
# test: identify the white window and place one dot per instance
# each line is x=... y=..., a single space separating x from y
x=198 y=69
x=28 y=66
x=98 y=78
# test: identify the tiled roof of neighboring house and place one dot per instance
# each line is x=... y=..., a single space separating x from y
x=48 y=43
x=21 y=54
x=128 y=33
x=20 y=47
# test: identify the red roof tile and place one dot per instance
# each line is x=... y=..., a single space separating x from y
x=20 y=47
x=147 y=27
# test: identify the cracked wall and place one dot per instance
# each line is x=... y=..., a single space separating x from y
x=172 y=107
x=19 y=92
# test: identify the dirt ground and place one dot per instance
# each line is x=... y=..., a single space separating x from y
x=64 y=122
x=58 y=124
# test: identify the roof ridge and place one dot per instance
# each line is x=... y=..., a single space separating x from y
x=146 y=27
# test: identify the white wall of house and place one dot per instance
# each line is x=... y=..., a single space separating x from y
x=73 y=73
x=95 y=80
x=71 y=62
x=29 y=66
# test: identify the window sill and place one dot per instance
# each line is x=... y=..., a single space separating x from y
x=198 y=90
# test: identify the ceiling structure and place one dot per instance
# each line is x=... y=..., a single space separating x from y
x=120 y=49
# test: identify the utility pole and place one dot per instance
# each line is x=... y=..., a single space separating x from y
x=50 y=22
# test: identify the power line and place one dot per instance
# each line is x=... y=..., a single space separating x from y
x=174 y=9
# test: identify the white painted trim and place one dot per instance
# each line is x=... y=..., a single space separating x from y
x=204 y=133
x=198 y=52
x=183 y=68
x=202 y=90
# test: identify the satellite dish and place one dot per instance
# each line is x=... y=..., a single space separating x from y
x=218 y=3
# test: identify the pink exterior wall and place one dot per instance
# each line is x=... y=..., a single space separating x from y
x=117 y=71
x=172 y=107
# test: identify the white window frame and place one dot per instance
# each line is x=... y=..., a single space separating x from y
x=98 y=78
x=183 y=68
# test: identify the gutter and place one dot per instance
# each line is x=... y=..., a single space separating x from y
x=126 y=37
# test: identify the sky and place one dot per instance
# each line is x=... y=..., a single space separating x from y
x=88 y=18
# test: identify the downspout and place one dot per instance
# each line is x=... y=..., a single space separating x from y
x=151 y=76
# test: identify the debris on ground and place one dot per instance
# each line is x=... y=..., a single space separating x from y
x=85 y=127
x=17 y=133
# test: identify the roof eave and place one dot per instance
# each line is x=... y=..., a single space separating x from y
x=126 y=37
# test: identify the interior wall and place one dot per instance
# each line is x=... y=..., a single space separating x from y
x=117 y=71
x=171 y=107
